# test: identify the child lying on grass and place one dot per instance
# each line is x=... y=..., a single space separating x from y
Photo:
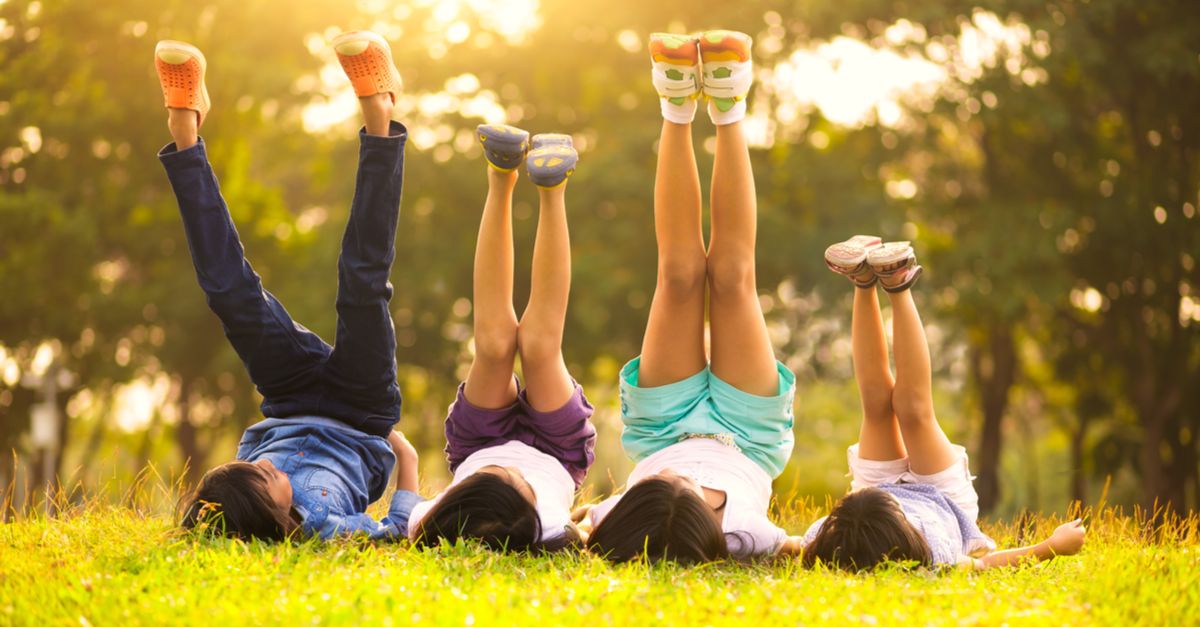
x=517 y=453
x=911 y=494
x=326 y=448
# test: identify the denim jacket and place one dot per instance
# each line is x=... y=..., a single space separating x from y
x=336 y=472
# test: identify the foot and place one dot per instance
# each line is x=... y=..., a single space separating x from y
x=849 y=258
x=367 y=60
x=181 y=70
x=551 y=160
x=675 y=70
x=504 y=146
x=895 y=264
x=728 y=73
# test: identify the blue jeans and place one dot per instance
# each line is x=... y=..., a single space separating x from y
x=296 y=372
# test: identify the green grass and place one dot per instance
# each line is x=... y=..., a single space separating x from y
x=102 y=565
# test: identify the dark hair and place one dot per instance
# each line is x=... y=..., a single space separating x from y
x=485 y=507
x=232 y=500
x=658 y=519
x=866 y=528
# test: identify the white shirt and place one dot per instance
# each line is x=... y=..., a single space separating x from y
x=713 y=465
x=551 y=483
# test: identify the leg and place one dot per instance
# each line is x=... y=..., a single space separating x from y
x=490 y=382
x=879 y=437
x=673 y=347
x=929 y=450
x=539 y=338
x=281 y=356
x=362 y=368
x=742 y=354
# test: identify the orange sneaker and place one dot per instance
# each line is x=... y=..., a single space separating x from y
x=181 y=69
x=367 y=60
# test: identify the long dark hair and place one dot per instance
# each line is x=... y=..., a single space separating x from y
x=485 y=507
x=660 y=519
x=232 y=500
x=866 y=528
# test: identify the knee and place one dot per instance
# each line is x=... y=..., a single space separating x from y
x=877 y=403
x=682 y=276
x=912 y=410
x=731 y=274
x=538 y=347
x=496 y=342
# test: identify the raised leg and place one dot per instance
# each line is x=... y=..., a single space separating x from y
x=362 y=368
x=929 y=450
x=490 y=383
x=742 y=354
x=673 y=347
x=879 y=436
x=282 y=357
x=539 y=337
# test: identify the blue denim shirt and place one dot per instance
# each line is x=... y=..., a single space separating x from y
x=336 y=472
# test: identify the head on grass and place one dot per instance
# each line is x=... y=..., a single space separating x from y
x=864 y=529
x=242 y=500
x=495 y=506
x=661 y=517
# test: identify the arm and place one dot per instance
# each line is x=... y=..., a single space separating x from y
x=793 y=546
x=406 y=462
x=1067 y=539
x=326 y=524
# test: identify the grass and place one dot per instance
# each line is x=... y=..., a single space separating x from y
x=97 y=564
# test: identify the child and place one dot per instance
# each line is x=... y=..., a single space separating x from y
x=911 y=495
x=517 y=454
x=326 y=449
x=708 y=435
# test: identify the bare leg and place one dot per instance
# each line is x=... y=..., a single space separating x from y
x=490 y=381
x=539 y=337
x=182 y=124
x=741 y=347
x=929 y=450
x=673 y=347
x=879 y=437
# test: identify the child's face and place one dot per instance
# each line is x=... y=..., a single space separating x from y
x=278 y=484
x=513 y=476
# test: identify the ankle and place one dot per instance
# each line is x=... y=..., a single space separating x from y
x=498 y=178
x=184 y=127
x=377 y=113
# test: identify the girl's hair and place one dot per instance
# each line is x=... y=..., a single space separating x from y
x=865 y=528
x=660 y=519
x=232 y=500
x=485 y=507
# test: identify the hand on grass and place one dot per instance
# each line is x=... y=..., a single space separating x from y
x=1067 y=539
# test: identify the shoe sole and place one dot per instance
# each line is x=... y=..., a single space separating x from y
x=724 y=46
x=504 y=146
x=552 y=162
x=365 y=71
x=179 y=90
x=685 y=53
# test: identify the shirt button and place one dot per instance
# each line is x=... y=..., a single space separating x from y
x=324 y=493
x=301 y=453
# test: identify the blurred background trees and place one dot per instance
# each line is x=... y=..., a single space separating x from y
x=1041 y=156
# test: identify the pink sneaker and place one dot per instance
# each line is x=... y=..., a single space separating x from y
x=895 y=264
x=849 y=259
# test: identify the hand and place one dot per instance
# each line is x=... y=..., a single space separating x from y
x=403 y=449
x=580 y=513
x=1067 y=539
x=406 y=462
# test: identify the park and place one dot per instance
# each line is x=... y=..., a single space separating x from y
x=1036 y=165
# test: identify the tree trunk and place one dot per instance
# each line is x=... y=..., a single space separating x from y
x=186 y=435
x=994 y=367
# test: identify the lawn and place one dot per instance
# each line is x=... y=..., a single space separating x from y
x=100 y=565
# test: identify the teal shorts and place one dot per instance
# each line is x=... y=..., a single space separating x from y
x=703 y=404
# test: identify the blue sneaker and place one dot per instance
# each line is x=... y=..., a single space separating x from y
x=551 y=160
x=504 y=146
